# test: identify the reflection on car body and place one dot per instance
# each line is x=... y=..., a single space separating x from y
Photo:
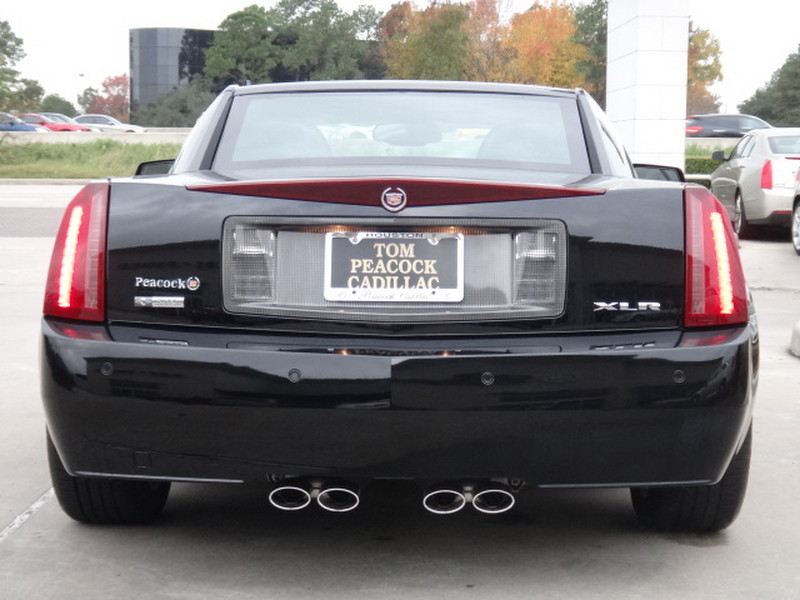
x=460 y=284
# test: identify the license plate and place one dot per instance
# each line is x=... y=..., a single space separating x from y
x=372 y=266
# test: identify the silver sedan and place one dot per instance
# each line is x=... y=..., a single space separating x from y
x=108 y=124
x=756 y=182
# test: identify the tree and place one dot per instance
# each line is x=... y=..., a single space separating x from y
x=296 y=40
x=112 y=99
x=86 y=98
x=489 y=56
x=430 y=44
x=56 y=104
x=779 y=101
x=705 y=69
x=178 y=108
x=591 y=22
x=396 y=21
x=319 y=41
x=243 y=49
x=10 y=46
x=545 y=51
x=16 y=94
x=27 y=95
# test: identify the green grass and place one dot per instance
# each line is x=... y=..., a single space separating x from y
x=102 y=158
x=106 y=158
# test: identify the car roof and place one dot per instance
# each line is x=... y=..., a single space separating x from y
x=776 y=131
x=721 y=115
x=403 y=85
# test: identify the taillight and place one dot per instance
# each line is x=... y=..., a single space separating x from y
x=766 y=175
x=693 y=129
x=76 y=281
x=715 y=286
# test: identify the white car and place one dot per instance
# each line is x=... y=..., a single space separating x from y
x=756 y=182
x=108 y=124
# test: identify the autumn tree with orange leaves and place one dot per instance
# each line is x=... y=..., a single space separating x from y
x=471 y=42
x=705 y=69
x=544 y=51
x=489 y=57
x=112 y=99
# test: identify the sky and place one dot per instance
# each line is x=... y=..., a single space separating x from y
x=70 y=49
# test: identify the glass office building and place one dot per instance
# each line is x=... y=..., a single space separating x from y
x=163 y=58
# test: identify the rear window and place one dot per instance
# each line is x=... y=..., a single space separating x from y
x=490 y=129
x=785 y=144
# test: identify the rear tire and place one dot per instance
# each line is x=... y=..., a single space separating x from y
x=740 y=225
x=697 y=509
x=105 y=501
x=796 y=227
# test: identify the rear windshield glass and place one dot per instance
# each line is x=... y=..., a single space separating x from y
x=785 y=144
x=489 y=129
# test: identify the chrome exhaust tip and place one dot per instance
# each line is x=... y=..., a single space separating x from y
x=338 y=498
x=493 y=500
x=444 y=501
x=290 y=496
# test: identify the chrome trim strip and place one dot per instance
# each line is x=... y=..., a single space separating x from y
x=157 y=477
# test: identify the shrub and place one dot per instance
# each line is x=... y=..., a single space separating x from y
x=700 y=165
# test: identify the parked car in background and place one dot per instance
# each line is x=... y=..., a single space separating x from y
x=723 y=125
x=108 y=124
x=52 y=125
x=61 y=118
x=9 y=122
x=474 y=293
x=796 y=214
x=756 y=182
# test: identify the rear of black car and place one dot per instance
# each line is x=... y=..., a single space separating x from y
x=319 y=305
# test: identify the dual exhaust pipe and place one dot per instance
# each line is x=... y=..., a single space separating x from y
x=298 y=494
x=490 y=498
x=340 y=497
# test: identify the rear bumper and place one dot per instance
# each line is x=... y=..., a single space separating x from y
x=633 y=409
x=771 y=207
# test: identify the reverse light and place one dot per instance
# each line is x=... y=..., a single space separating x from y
x=766 y=175
x=75 y=286
x=715 y=285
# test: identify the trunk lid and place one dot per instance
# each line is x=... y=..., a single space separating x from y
x=568 y=254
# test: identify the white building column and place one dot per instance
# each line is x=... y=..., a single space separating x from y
x=646 y=77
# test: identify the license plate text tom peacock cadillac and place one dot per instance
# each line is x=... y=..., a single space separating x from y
x=460 y=284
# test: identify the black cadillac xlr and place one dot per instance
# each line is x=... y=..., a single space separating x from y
x=460 y=284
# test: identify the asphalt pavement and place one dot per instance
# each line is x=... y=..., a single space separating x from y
x=218 y=542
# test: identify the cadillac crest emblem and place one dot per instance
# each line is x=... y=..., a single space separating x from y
x=393 y=199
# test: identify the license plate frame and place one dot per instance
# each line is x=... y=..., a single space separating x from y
x=393 y=266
